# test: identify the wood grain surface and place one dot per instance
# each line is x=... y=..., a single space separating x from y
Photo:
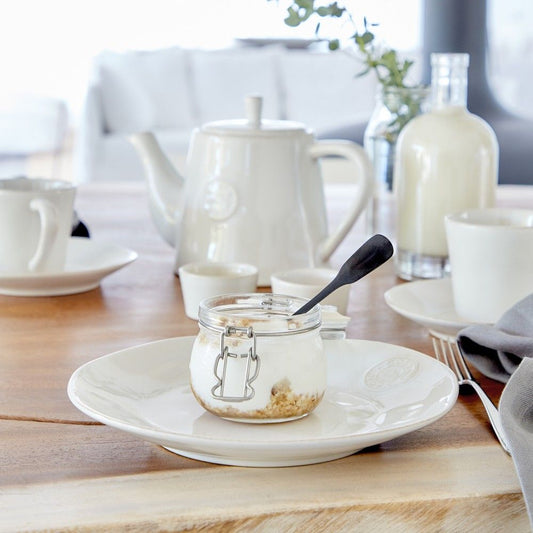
x=59 y=470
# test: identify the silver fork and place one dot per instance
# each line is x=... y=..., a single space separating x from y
x=448 y=352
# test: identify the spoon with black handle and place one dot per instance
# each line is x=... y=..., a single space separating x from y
x=372 y=254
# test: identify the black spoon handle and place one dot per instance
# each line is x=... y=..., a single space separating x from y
x=333 y=285
x=372 y=254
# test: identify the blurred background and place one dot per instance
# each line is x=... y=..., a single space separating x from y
x=47 y=48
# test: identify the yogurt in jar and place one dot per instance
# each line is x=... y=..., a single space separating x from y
x=252 y=361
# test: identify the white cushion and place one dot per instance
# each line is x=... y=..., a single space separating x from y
x=223 y=78
x=145 y=90
x=322 y=89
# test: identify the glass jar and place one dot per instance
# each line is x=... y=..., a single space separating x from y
x=252 y=361
x=446 y=162
x=395 y=107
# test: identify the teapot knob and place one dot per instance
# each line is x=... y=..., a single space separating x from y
x=254 y=105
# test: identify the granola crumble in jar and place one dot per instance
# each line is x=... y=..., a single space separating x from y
x=252 y=361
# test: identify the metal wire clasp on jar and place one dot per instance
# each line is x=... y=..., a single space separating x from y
x=252 y=361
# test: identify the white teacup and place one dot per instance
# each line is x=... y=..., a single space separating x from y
x=308 y=282
x=35 y=224
x=205 y=279
x=491 y=258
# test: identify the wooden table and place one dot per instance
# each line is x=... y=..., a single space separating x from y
x=59 y=470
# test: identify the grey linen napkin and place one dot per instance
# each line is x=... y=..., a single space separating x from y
x=516 y=410
x=504 y=352
x=496 y=351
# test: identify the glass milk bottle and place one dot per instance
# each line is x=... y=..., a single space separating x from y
x=446 y=161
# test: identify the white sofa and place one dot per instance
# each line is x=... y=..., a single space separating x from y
x=171 y=91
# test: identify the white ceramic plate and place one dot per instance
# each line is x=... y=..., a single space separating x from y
x=376 y=392
x=87 y=263
x=429 y=303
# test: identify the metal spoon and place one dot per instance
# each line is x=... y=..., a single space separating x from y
x=372 y=254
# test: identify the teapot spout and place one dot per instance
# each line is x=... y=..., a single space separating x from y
x=165 y=184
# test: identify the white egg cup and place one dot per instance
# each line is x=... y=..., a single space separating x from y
x=205 y=279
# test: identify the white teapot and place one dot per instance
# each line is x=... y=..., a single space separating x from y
x=253 y=193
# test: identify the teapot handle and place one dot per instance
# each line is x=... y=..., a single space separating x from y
x=355 y=153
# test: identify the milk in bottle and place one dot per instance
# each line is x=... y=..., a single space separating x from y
x=446 y=161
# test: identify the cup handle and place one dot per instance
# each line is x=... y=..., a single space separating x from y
x=49 y=226
x=356 y=154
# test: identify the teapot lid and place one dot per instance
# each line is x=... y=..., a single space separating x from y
x=253 y=124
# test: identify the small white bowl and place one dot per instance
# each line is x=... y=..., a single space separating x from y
x=307 y=282
x=205 y=279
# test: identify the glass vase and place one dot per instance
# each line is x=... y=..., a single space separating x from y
x=395 y=107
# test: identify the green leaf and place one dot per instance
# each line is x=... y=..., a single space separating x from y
x=293 y=19
x=334 y=44
x=367 y=37
x=359 y=40
x=331 y=10
x=389 y=59
x=305 y=4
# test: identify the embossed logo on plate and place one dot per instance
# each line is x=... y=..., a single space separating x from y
x=391 y=372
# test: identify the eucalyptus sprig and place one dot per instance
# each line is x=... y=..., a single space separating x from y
x=390 y=70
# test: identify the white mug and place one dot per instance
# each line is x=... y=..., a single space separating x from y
x=491 y=258
x=35 y=224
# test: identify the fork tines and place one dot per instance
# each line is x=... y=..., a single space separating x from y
x=447 y=352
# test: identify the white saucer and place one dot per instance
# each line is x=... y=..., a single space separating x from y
x=429 y=303
x=376 y=392
x=87 y=263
